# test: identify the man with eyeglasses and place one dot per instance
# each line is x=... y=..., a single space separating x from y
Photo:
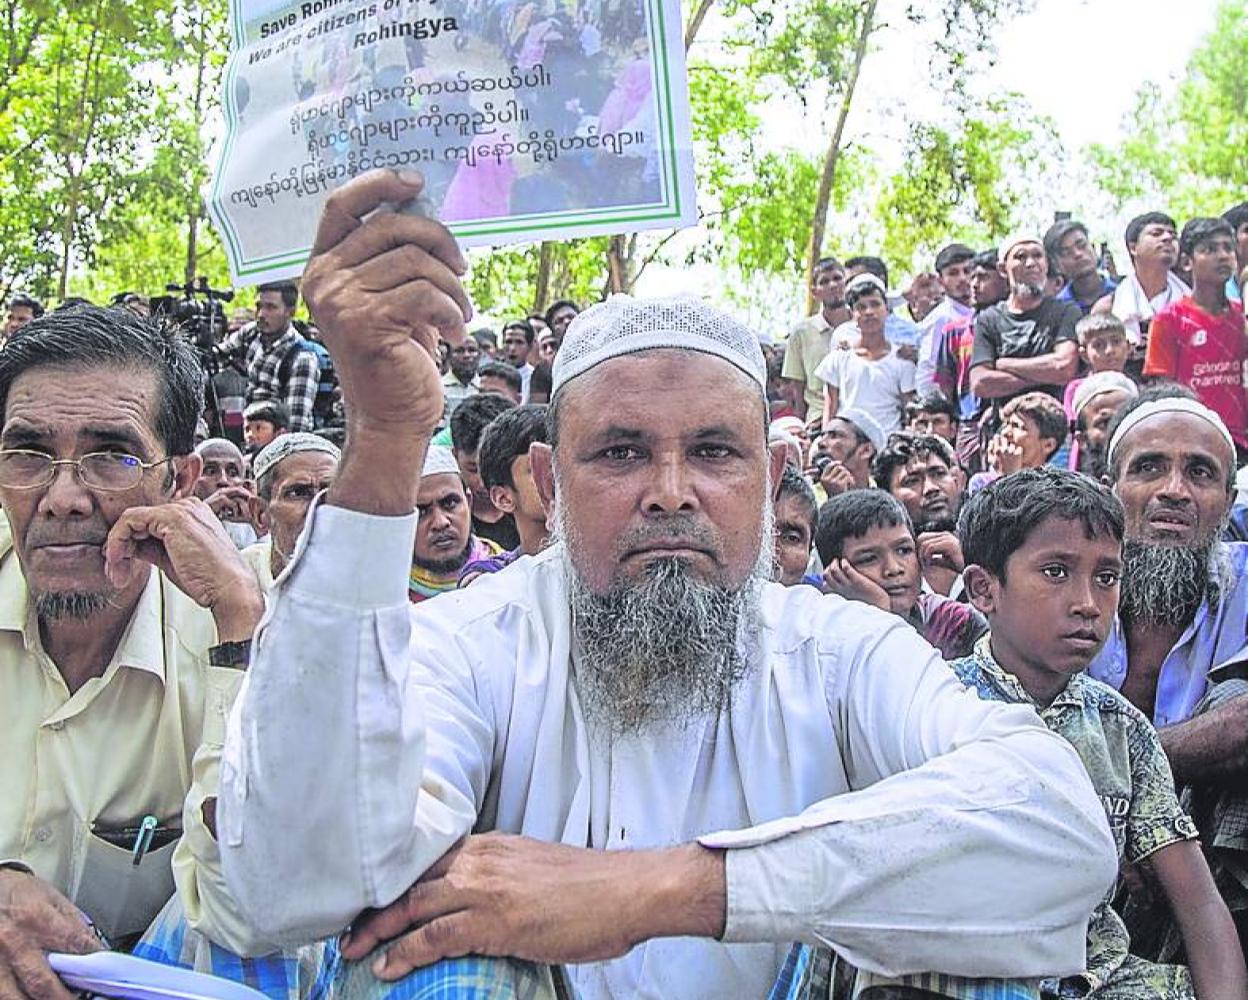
x=113 y=673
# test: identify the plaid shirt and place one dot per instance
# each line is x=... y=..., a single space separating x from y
x=264 y=371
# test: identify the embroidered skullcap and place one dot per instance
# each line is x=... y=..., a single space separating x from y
x=285 y=445
x=439 y=460
x=624 y=325
x=1102 y=382
x=1168 y=404
x=1014 y=241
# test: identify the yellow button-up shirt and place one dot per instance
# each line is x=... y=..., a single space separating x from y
x=118 y=749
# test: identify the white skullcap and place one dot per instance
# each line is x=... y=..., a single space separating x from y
x=439 y=460
x=1013 y=241
x=868 y=279
x=866 y=423
x=625 y=325
x=1102 y=382
x=285 y=445
x=1167 y=404
x=793 y=426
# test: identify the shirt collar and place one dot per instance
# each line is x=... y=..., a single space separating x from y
x=1010 y=686
x=282 y=340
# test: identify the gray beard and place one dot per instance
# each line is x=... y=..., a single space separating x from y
x=1166 y=584
x=667 y=650
x=72 y=605
x=1029 y=291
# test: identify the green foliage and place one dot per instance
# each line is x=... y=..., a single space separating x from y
x=1202 y=125
x=963 y=183
x=503 y=281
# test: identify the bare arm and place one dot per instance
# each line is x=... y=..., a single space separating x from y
x=1055 y=368
x=795 y=392
x=831 y=401
x=1208 y=932
x=987 y=382
x=1212 y=747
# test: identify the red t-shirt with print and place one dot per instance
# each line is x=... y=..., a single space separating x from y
x=1206 y=353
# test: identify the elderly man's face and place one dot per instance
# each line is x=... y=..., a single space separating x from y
x=59 y=529
x=1173 y=472
x=662 y=454
x=444 y=525
x=1026 y=268
x=295 y=482
x=222 y=467
x=1097 y=415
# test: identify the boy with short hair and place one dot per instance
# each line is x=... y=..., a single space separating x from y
x=1103 y=347
x=1199 y=341
x=867 y=545
x=1033 y=429
x=796 y=513
x=503 y=464
x=1044 y=560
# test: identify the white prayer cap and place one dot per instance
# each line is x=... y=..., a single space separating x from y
x=285 y=445
x=866 y=423
x=1013 y=241
x=1102 y=382
x=793 y=426
x=868 y=280
x=439 y=460
x=1167 y=404
x=625 y=325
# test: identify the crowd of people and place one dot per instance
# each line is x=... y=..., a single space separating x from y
x=627 y=653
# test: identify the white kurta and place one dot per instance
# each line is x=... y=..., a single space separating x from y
x=371 y=736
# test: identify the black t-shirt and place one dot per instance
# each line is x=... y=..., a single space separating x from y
x=1000 y=333
x=503 y=531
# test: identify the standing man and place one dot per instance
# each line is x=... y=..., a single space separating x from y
x=1067 y=244
x=955 y=264
x=1027 y=342
x=461 y=381
x=810 y=340
x=280 y=366
x=1153 y=246
x=1237 y=219
x=615 y=711
x=23 y=309
x=518 y=336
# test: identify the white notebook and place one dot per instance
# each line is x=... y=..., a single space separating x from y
x=112 y=974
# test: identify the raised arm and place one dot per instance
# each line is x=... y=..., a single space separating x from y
x=323 y=768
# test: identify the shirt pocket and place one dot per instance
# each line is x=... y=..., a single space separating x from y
x=122 y=898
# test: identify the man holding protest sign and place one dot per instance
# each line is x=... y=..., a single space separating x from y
x=618 y=698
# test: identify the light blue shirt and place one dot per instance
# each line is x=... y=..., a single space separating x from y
x=1215 y=635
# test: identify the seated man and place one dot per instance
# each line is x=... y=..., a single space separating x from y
x=933 y=414
x=468 y=423
x=1033 y=430
x=841 y=455
x=923 y=473
x=1044 y=554
x=264 y=421
x=504 y=465
x=629 y=754
x=110 y=671
x=867 y=546
x=444 y=543
x=1094 y=406
x=795 y=513
x=1184 y=607
x=222 y=485
x=289 y=473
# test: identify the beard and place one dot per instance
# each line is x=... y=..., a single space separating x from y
x=1166 y=584
x=1028 y=290
x=665 y=650
x=445 y=567
x=69 y=605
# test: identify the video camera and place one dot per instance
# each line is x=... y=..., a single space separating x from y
x=197 y=310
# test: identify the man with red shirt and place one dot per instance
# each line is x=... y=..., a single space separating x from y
x=1200 y=340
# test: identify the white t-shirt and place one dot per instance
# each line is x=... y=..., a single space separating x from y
x=875 y=386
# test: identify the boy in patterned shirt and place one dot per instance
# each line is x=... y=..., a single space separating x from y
x=1043 y=550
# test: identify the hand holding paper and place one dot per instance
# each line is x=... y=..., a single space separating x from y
x=34 y=919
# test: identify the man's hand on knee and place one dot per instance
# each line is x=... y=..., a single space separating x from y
x=510 y=896
x=34 y=920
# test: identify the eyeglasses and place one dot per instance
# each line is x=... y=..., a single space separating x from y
x=107 y=471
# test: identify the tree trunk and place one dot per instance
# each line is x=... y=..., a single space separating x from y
x=192 y=200
x=695 y=22
x=833 y=155
x=545 y=262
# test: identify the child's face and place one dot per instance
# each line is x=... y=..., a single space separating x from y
x=1052 y=612
x=1106 y=352
x=522 y=501
x=1024 y=432
x=887 y=557
x=1213 y=260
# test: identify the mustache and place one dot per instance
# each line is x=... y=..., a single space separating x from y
x=44 y=533
x=675 y=527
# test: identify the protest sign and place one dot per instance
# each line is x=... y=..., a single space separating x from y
x=530 y=119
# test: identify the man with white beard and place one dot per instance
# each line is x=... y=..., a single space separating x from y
x=535 y=768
